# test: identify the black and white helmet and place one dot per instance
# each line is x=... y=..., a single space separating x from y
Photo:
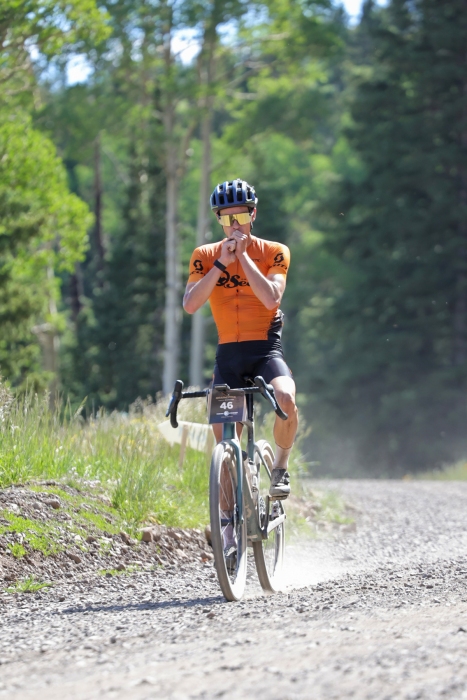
x=233 y=193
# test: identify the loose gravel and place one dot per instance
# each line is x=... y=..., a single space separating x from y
x=380 y=612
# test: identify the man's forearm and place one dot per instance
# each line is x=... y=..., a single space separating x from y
x=267 y=292
x=199 y=294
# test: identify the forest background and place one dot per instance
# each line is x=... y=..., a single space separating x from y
x=355 y=137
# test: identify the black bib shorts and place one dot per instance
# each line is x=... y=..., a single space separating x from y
x=250 y=358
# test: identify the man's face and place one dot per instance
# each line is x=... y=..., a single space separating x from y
x=244 y=228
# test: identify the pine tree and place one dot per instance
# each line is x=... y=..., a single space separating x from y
x=394 y=339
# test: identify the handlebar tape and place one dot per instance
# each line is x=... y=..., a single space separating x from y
x=174 y=401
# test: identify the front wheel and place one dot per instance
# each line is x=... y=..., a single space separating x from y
x=228 y=535
x=269 y=553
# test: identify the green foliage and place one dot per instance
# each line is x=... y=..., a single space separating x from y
x=113 y=345
x=127 y=571
x=48 y=30
x=45 y=225
x=39 y=536
x=355 y=141
x=17 y=550
x=28 y=585
x=454 y=472
x=125 y=454
x=43 y=228
x=53 y=25
x=389 y=342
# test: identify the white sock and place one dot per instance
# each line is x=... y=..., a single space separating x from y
x=281 y=460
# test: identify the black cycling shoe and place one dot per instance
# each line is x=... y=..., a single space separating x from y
x=230 y=556
x=280 y=484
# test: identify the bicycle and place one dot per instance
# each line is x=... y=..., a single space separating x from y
x=239 y=488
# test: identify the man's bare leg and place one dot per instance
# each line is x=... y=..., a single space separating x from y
x=285 y=430
x=284 y=435
x=217 y=430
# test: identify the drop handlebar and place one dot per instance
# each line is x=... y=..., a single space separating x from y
x=266 y=390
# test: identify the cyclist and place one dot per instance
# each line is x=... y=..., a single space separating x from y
x=244 y=279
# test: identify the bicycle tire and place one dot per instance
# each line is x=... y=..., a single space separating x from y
x=222 y=474
x=269 y=553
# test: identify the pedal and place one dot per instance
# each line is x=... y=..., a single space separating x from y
x=275 y=512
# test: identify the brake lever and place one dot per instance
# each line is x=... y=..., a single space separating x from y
x=174 y=401
x=267 y=390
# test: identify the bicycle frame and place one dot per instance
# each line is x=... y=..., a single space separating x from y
x=254 y=531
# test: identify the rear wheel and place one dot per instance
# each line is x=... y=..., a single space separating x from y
x=269 y=553
x=225 y=526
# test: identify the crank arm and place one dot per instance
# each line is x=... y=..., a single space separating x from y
x=276 y=522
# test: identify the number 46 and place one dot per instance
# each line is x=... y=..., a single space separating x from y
x=227 y=404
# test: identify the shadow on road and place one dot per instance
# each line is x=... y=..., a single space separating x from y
x=146 y=605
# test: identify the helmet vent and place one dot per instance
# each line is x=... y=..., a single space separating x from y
x=233 y=193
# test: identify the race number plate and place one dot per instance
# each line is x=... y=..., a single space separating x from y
x=225 y=407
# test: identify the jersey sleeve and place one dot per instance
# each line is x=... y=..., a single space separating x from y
x=199 y=265
x=279 y=259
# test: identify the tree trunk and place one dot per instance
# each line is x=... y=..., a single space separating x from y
x=460 y=309
x=98 y=236
x=206 y=77
x=76 y=293
x=50 y=342
x=197 y=328
x=172 y=288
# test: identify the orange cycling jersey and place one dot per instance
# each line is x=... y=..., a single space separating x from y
x=237 y=311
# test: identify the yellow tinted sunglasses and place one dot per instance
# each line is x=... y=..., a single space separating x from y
x=228 y=219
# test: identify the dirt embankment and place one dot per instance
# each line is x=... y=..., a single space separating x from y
x=50 y=532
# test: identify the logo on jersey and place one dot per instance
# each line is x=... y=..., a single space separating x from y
x=230 y=281
x=278 y=260
x=198 y=265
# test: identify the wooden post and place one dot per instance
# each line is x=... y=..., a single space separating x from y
x=209 y=445
x=183 y=444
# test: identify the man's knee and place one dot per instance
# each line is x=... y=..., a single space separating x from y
x=286 y=401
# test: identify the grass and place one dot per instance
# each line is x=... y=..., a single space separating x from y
x=17 y=550
x=304 y=507
x=308 y=509
x=28 y=585
x=122 y=455
x=119 y=572
x=85 y=510
x=453 y=472
x=40 y=536
x=118 y=455
x=332 y=508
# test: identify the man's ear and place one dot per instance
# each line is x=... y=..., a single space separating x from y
x=253 y=217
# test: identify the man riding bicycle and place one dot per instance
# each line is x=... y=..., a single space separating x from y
x=244 y=279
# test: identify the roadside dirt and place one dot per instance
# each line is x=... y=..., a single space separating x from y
x=376 y=613
x=52 y=532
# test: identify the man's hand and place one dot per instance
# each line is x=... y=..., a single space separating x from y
x=241 y=241
x=228 y=252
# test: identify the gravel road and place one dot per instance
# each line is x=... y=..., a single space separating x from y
x=376 y=613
